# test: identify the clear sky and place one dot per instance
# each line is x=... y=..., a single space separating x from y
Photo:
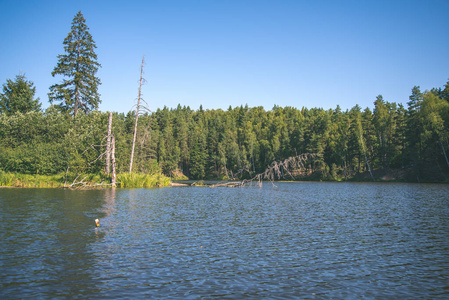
x=236 y=52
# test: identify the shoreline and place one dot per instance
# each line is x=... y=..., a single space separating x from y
x=137 y=180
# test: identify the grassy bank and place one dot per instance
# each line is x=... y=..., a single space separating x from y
x=125 y=180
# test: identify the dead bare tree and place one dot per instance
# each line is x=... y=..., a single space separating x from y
x=139 y=98
x=293 y=166
x=108 y=145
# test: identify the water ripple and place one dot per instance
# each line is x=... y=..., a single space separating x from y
x=303 y=240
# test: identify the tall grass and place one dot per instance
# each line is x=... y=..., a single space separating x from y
x=126 y=180
x=39 y=181
x=138 y=180
x=30 y=181
x=45 y=181
x=7 y=179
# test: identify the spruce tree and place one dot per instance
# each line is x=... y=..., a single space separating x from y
x=78 y=90
x=18 y=96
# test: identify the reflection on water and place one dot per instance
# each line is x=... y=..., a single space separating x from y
x=333 y=240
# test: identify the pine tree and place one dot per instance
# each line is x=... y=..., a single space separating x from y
x=79 y=64
x=18 y=96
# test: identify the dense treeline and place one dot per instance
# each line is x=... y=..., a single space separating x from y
x=240 y=141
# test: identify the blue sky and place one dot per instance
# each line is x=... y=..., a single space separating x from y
x=237 y=52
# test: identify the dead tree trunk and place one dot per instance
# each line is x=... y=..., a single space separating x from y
x=137 y=114
x=113 y=178
x=108 y=145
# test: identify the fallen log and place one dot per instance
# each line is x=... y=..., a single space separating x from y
x=178 y=184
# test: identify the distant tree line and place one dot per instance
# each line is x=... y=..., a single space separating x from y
x=239 y=142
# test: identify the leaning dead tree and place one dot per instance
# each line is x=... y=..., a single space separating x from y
x=292 y=167
x=139 y=98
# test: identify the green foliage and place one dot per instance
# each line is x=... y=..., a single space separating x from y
x=18 y=96
x=79 y=65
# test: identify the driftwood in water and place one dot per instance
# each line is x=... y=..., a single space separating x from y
x=83 y=184
x=228 y=184
x=202 y=184
x=178 y=184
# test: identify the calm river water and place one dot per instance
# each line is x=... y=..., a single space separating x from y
x=299 y=240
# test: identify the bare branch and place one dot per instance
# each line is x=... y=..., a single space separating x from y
x=293 y=166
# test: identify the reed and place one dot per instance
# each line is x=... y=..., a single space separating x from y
x=7 y=179
x=139 y=180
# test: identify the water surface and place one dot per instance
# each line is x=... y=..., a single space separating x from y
x=307 y=240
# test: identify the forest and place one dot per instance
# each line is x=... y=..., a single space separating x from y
x=69 y=138
x=408 y=144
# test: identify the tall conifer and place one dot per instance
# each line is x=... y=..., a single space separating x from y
x=78 y=90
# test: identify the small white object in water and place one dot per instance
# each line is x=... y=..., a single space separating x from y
x=97 y=222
